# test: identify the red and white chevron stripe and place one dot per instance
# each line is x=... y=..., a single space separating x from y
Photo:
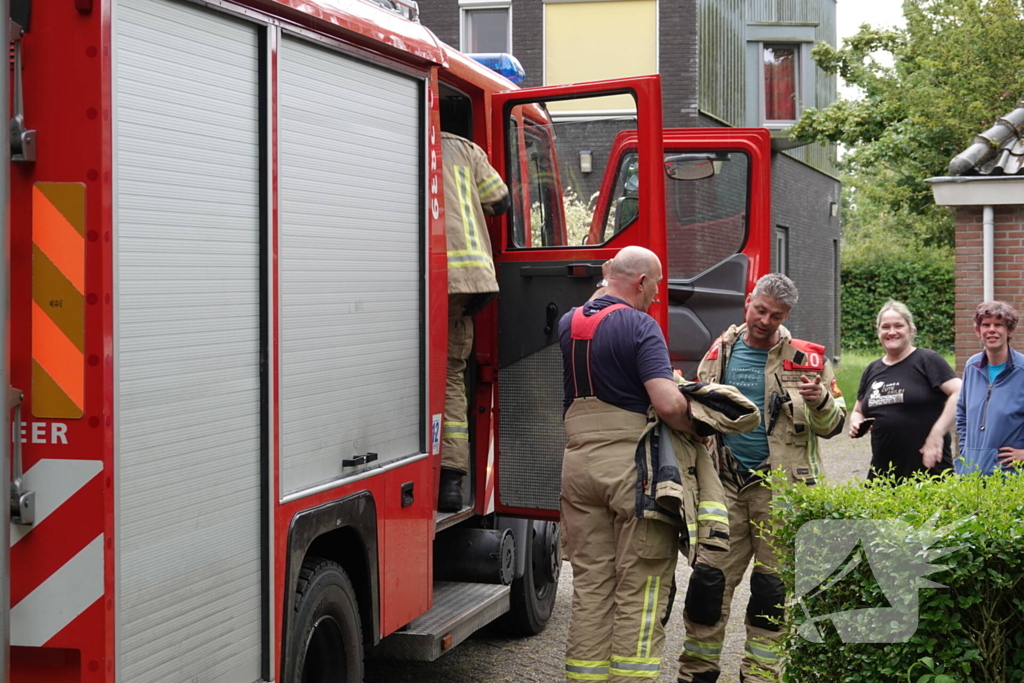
x=57 y=563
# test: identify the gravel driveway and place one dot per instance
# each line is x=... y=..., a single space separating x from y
x=488 y=659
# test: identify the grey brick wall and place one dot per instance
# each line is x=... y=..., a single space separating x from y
x=441 y=17
x=677 y=44
x=800 y=202
x=528 y=39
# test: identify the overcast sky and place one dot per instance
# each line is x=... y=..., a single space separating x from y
x=850 y=14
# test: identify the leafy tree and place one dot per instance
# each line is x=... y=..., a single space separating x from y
x=955 y=68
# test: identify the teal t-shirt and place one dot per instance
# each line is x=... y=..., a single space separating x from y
x=993 y=372
x=746 y=372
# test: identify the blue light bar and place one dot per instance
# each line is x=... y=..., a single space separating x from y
x=501 y=63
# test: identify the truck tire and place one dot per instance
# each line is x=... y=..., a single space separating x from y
x=533 y=595
x=327 y=639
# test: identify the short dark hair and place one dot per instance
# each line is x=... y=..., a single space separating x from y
x=1000 y=310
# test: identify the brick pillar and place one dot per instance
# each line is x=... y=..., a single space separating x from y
x=1008 y=275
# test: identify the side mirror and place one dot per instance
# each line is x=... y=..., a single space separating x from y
x=691 y=166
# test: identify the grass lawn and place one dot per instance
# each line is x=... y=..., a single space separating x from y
x=852 y=366
x=848 y=372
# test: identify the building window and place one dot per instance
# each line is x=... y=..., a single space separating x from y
x=781 y=250
x=780 y=68
x=487 y=28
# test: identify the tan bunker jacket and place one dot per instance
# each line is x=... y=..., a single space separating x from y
x=677 y=481
x=793 y=444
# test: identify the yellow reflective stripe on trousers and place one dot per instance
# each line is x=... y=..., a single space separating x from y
x=586 y=670
x=761 y=652
x=455 y=430
x=648 y=617
x=636 y=667
x=708 y=651
x=712 y=511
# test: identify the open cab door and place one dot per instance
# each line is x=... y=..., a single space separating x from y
x=717 y=221
x=547 y=144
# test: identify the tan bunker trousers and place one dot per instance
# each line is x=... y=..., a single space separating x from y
x=455 y=434
x=622 y=565
x=709 y=595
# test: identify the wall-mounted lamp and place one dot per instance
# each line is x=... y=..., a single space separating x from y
x=833 y=209
x=586 y=161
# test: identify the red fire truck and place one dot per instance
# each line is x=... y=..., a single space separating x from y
x=228 y=331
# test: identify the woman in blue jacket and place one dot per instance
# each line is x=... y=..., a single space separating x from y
x=990 y=411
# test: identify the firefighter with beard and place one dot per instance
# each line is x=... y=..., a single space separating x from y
x=793 y=385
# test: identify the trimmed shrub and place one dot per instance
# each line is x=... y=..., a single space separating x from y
x=966 y=627
x=875 y=270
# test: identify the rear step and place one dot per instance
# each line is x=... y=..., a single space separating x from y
x=459 y=610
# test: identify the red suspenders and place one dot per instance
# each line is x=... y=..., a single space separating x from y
x=582 y=333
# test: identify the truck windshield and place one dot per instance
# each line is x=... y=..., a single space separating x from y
x=706 y=197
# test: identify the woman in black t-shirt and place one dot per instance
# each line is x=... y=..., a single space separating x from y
x=911 y=393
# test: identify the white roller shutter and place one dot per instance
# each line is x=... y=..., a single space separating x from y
x=187 y=341
x=350 y=263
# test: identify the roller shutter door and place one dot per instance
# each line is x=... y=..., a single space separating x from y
x=351 y=252
x=187 y=344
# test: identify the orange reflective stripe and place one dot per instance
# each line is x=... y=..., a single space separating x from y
x=57 y=355
x=56 y=237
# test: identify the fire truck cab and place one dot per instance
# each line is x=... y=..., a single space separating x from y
x=717 y=223
x=228 y=332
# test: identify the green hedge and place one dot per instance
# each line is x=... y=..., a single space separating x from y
x=874 y=271
x=971 y=630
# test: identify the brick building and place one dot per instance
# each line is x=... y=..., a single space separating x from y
x=740 y=63
x=985 y=186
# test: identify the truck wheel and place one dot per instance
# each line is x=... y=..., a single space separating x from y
x=327 y=638
x=533 y=595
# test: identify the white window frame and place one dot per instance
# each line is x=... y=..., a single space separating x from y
x=801 y=36
x=797 y=84
x=467 y=6
x=781 y=250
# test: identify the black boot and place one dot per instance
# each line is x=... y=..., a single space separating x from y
x=449 y=495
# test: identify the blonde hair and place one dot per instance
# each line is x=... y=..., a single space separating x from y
x=901 y=308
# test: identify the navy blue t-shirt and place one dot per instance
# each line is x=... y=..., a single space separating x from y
x=627 y=350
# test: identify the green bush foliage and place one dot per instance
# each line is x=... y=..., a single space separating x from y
x=970 y=630
x=922 y=277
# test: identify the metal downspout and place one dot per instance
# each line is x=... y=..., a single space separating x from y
x=988 y=241
x=5 y=376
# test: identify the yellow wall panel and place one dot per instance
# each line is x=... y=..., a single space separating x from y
x=595 y=41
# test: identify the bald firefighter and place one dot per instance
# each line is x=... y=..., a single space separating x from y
x=472 y=189
x=793 y=385
x=616 y=372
